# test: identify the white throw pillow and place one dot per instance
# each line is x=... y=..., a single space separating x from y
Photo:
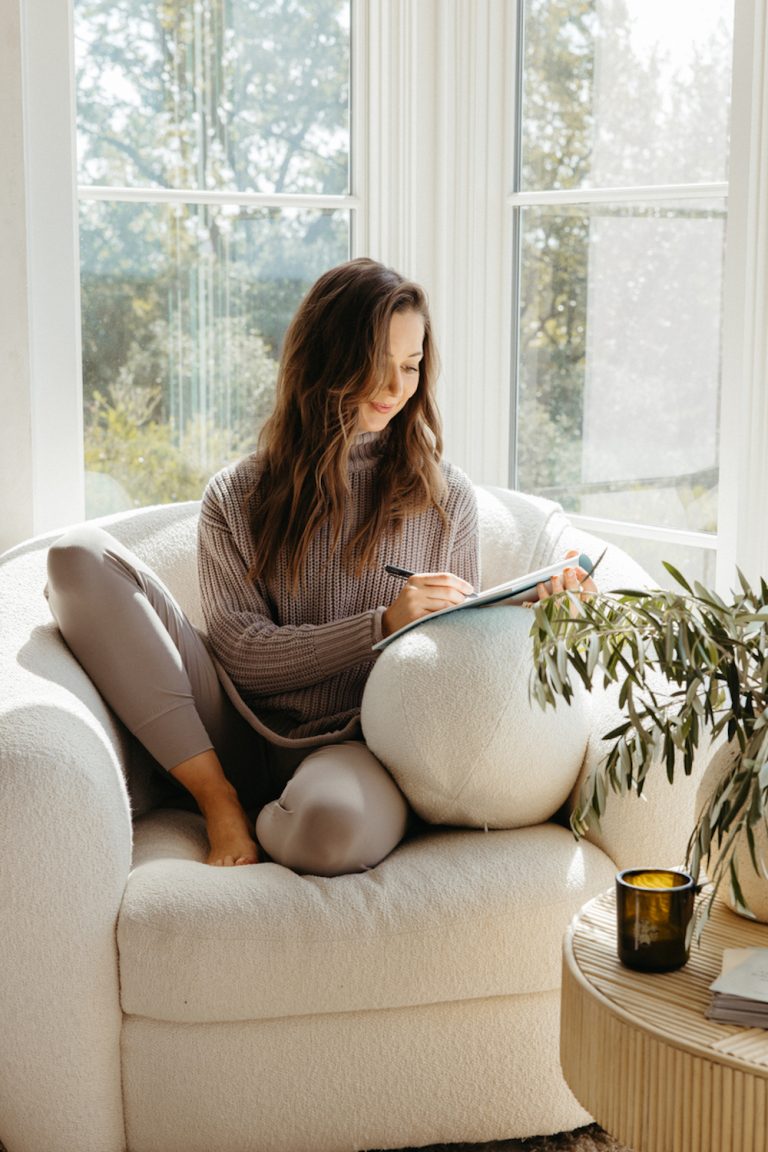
x=447 y=710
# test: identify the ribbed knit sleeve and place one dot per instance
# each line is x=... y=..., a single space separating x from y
x=464 y=556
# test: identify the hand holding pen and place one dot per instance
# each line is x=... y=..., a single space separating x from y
x=573 y=574
x=423 y=593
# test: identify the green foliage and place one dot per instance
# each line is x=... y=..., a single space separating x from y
x=153 y=442
x=138 y=453
x=251 y=96
x=557 y=135
x=254 y=96
x=598 y=111
x=186 y=305
x=687 y=664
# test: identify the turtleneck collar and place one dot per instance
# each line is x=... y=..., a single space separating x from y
x=366 y=449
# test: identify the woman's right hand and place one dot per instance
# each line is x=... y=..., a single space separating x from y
x=425 y=592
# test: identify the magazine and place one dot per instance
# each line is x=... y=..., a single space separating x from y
x=517 y=591
x=740 y=993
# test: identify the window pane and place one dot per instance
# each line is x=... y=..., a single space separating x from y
x=625 y=92
x=184 y=310
x=252 y=95
x=619 y=360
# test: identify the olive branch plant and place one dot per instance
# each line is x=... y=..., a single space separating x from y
x=686 y=664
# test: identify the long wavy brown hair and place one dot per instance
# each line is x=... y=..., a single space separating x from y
x=333 y=359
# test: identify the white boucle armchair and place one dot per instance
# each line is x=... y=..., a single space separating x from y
x=151 y=1003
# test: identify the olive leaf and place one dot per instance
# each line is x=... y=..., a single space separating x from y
x=688 y=666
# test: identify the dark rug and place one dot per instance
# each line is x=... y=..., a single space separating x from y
x=591 y=1139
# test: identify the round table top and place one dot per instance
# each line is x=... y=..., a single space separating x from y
x=639 y=1053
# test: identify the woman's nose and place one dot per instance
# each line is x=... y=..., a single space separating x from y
x=393 y=381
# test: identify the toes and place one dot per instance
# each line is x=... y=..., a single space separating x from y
x=234 y=861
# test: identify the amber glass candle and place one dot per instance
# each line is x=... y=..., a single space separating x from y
x=653 y=911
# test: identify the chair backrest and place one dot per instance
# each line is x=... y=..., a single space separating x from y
x=517 y=533
x=39 y=677
x=165 y=538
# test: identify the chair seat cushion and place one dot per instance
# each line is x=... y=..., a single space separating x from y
x=449 y=915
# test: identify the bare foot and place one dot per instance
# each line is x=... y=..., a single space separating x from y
x=229 y=835
x=229 y=831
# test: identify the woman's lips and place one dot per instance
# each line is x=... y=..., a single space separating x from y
x=383 y=408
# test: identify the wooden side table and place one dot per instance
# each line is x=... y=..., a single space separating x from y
x=640 y=1055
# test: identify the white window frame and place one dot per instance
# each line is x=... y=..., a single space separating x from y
x=432 y=158
x=41 y=455
x=584 y=198
x=444 y=70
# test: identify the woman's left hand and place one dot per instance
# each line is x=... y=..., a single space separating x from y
x=573 y=579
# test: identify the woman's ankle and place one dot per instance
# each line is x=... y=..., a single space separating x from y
x=204 y=778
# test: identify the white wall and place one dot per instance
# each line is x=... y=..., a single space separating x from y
x=41 y=421
x=439 y=92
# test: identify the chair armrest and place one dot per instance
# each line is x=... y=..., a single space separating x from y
x=65 y=851
x=652 y=829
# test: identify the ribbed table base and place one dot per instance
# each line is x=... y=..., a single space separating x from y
x=639 y=1054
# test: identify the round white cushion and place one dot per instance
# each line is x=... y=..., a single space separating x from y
x=447 y=710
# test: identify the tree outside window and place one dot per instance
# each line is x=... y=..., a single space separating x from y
x=620 y=215
x=214 y=155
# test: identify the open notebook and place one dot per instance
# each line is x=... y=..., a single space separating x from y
x=516 y=591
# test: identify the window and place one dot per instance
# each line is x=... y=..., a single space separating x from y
x=620 y=213
x=214 y=183
x=431 y=150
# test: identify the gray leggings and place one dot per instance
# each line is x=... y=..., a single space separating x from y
x=338 y=811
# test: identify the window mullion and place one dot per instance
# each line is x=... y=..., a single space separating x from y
x=360 y=136
x=652 y=193
x=632 y=530
x=151 y=195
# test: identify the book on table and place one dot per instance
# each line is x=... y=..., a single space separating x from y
x=740 y=993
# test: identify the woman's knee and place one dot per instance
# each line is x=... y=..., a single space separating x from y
x=331 y=821
x=319 y=837
x=333 y=840
x=75 y=559
x=87 y=583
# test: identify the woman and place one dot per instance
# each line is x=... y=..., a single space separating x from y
x=292 y=547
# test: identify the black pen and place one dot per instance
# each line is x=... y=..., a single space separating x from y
x=405 y=574
x=595 y=566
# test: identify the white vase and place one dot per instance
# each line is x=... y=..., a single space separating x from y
x=754 y=885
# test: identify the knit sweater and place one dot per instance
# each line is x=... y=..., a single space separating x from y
x=296 y=665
